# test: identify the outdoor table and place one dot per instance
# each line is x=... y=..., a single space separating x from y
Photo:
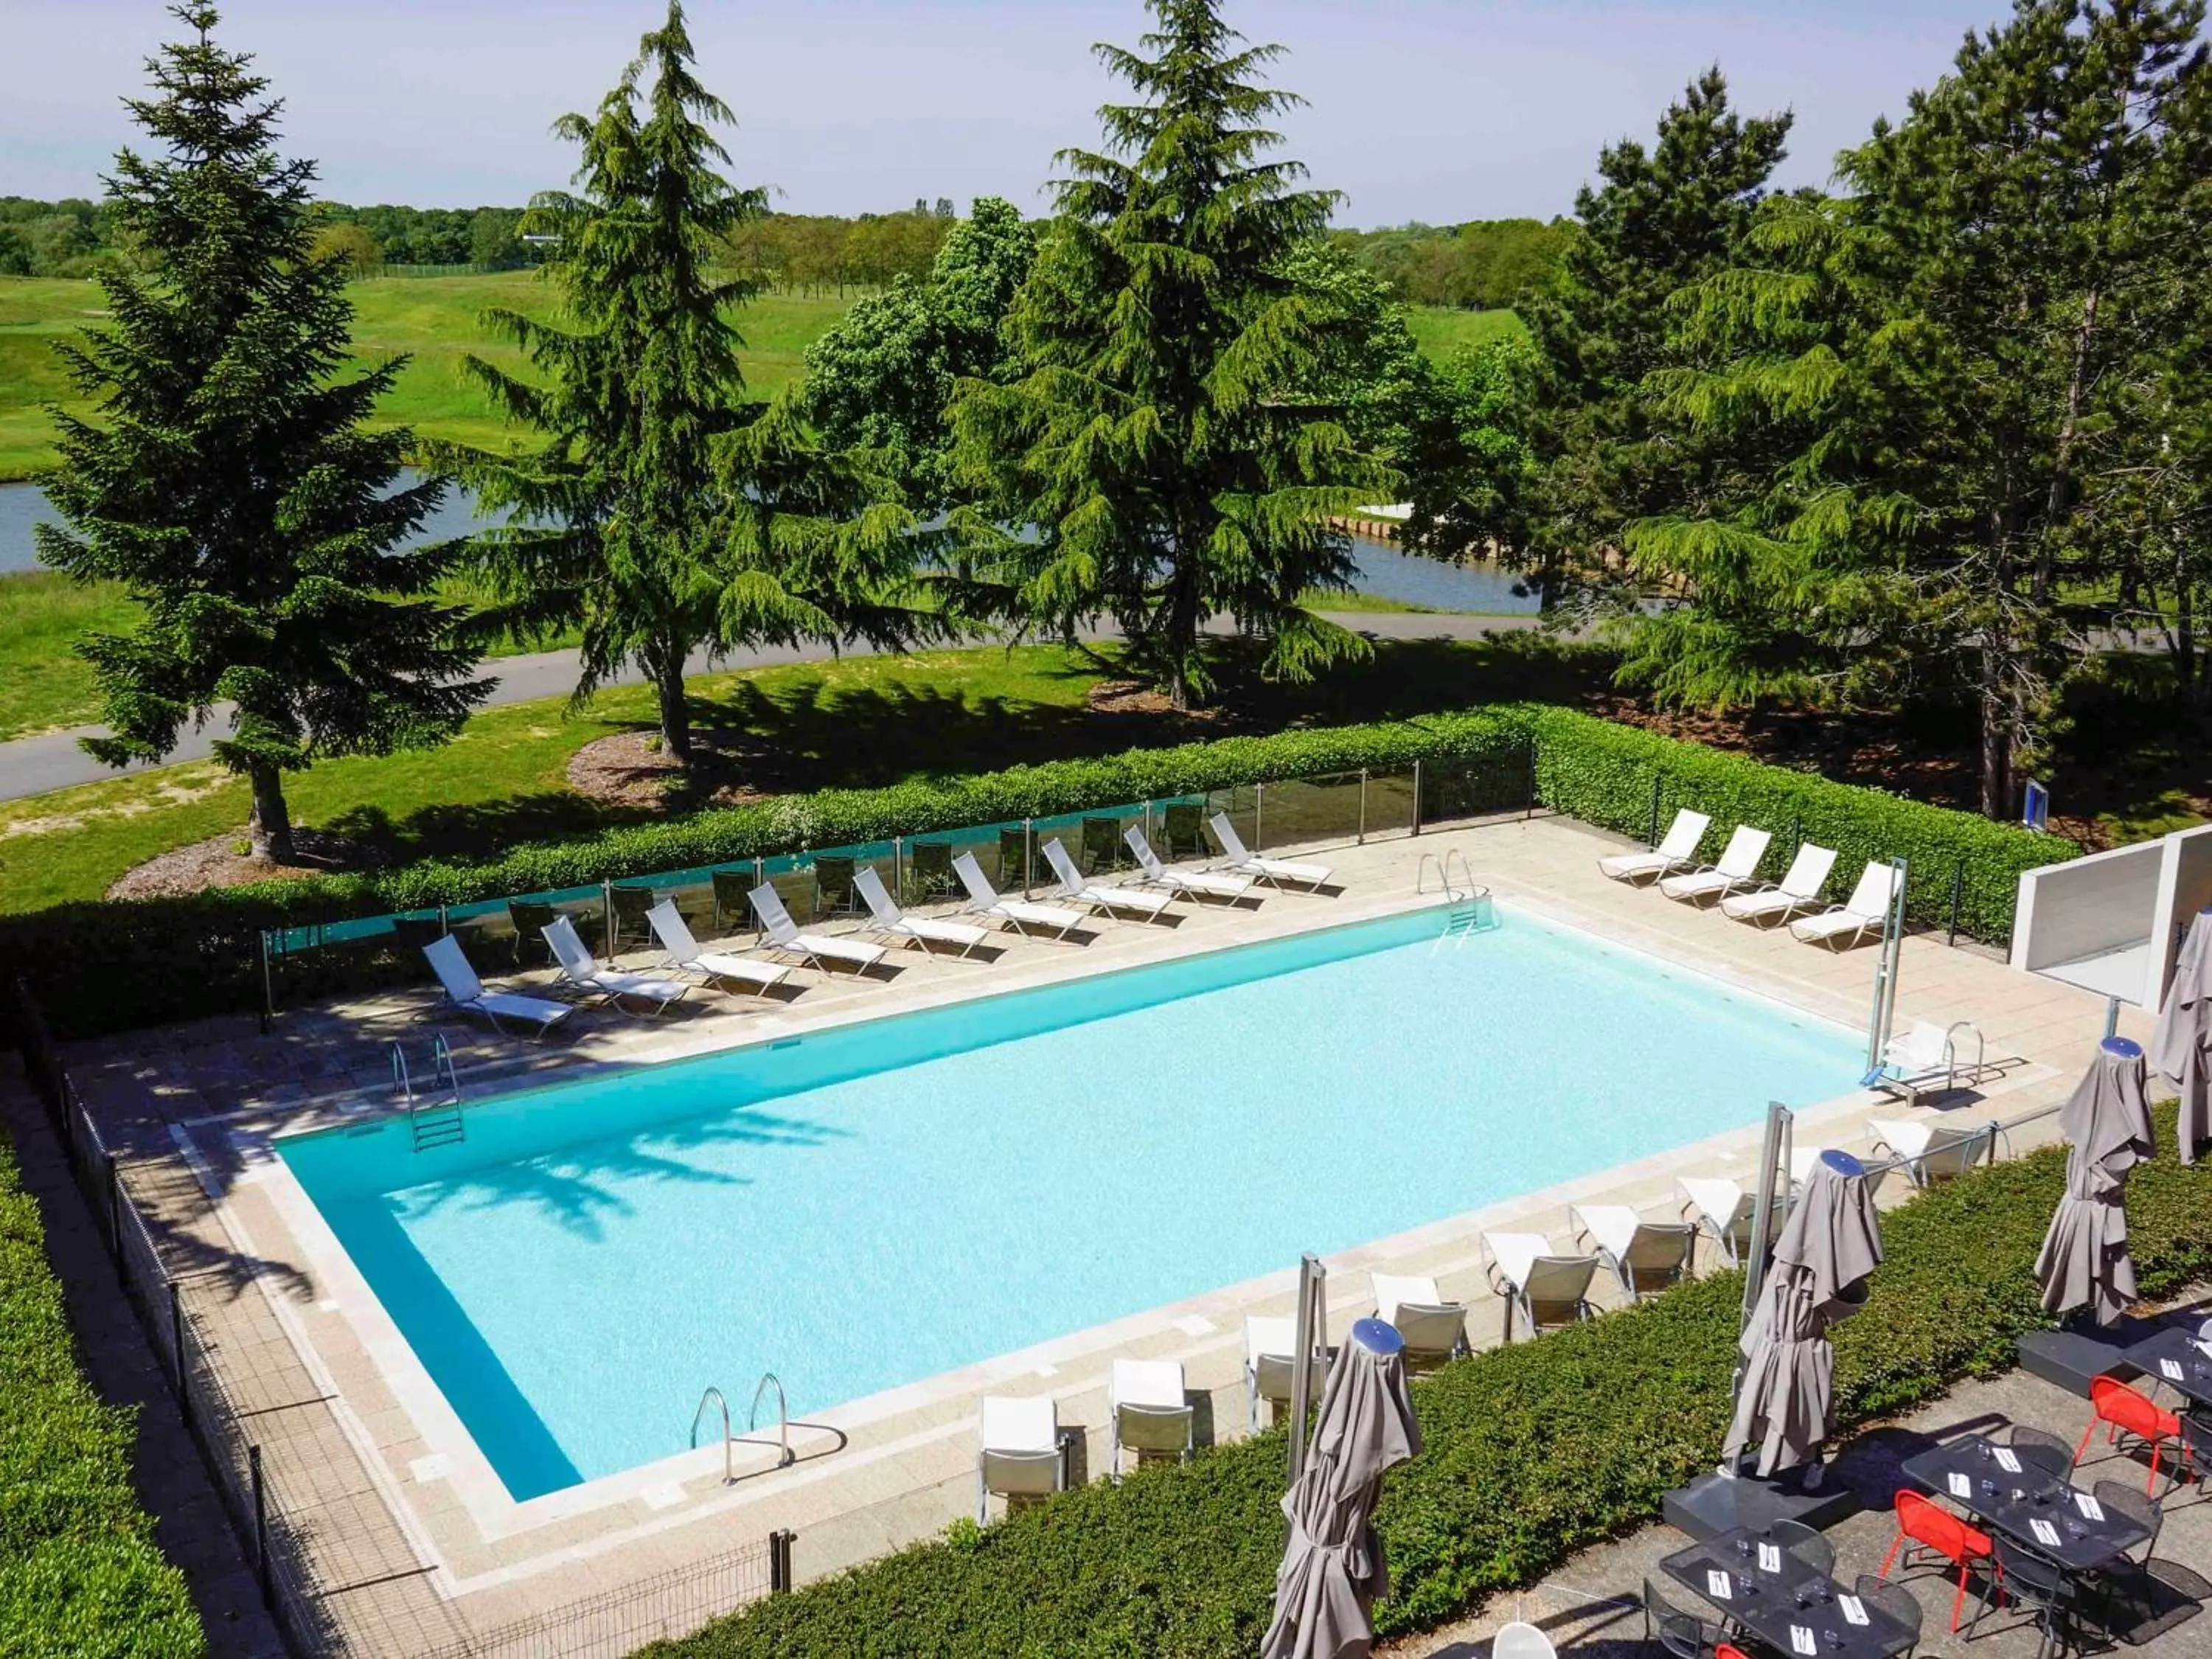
x=2078 y=1534
x=1782 y=1600
x=2175 y=1357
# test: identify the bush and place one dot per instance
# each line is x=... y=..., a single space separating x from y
x=1534 y=1452
x=80 y=1574
x=109 y=967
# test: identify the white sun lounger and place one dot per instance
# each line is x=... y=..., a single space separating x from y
x=582 y=970
x=1270 y=1367
x=1798 y=890
x=1867 y=911
x=1932 y=1151
x=1152 y=873
x=1235 y=856
x=1546 y=1288
x=983 y=899
x=1150 y=1410
x=1644 y=1257
x=1073 y=885
x=1677 y=848
x=1738 y=866
x=892 y=922
x=1017 y=1450
x=684 y=956
x=1433 y=1328
x=1725 y=1209
x=820 y=949
x=1926 y=1061
x=465 y=992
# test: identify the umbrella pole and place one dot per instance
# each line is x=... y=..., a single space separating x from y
x=1772 y=1152
x=1311 y=1331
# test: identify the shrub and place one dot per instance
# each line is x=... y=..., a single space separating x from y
x=1534 y=1452
x=108 y=967
x=80 y=1574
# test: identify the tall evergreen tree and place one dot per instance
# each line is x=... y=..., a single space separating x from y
x=1916 y=386
x=225 y=478
x=1659 y=219
x=1160 y=441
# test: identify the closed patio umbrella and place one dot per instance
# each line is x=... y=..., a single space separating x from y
x=2181 y=1044
x=1332 y=1570
x=2084 y=1260
x=1830 y=1242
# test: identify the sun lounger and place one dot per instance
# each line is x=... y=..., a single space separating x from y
x=1926 y=1061
x=983 y=899
x=891 y=922
x=1867 y=911
x=1798 y=890
x=684 y=956
x=1434 y=1329
x=465 y=992
x=820 y=949
x=1074 y=886
x=1152 y=873
x=1270 y=1363
x=581 y=970
x=1738 y=868
x=1723 y=1209
x=1144 y=1398
x=1546 y=1288
x=1644 y=1257
x=1931 y=1152
x=1235 y=856
x=1017 y=1451
x=1677 y=850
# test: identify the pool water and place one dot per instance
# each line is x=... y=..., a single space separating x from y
x=870 y=1205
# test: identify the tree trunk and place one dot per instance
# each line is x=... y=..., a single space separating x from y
x=269 y=829
x=1997 y=734
x=675 y=711
x=2184 y=633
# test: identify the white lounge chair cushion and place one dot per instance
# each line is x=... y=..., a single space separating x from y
x=714 y=964
x=1516 y=1254
x=1036 y=915
x=1154 y=1382
x=1698 y=885
x=1269 y=1337
x=1395 y=1290
x=638 y=985
x=846 y=950
x=508 y=1005
x=1907 y=1137
x=1829 y=924
x=1678 y=846
x=1720 y=1200
x=1772 y=902
x=1313 y=875
x=1073 y=885
x=1020 y=1426
x=948 y=932
x=1611 y=1227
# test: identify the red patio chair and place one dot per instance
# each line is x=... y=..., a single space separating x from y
x=1930 y=1526
x=2128 y=1411
x=1726 y=1651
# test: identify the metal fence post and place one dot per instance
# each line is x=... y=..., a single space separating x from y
x=607 y=914
x=268 y=987
x=779 y=1560
x=115 y=1221
x=1417 y=798
x=1957 y=896
x=1259 y=816
x=898 y=869
x=1363 y=807
x=260 y=1525
x=177 y=1333
x=1029 y=852
x=1651 y=838
x=1147 y=806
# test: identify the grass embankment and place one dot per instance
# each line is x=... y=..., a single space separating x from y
x=80 y=1572
x=858 y=722
x=44 y=684
x=1439 y=331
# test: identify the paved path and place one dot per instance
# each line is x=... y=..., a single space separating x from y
x=32 y=766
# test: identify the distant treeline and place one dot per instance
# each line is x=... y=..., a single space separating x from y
x=821 y=253
x=1484 y=263
x=387 y=234
x=52 y=239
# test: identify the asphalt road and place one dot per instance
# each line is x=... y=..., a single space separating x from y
x=33 y=766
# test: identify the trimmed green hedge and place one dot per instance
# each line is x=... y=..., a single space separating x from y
x=80 y=1573
x=1534 y=1452
x=108 y=967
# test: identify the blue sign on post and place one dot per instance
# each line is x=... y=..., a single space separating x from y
x=2035 y=811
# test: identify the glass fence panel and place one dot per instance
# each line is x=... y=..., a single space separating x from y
x=1474 y=788
x=1390 y=809
x=1307 y=810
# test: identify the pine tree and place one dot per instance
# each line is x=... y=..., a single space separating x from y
x=1660 y=220
x=225 y=478
x=1158 y=441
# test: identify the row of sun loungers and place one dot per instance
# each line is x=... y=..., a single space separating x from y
x=1155 y=887
x=1733 y=882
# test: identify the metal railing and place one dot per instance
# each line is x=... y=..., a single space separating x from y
x=279 y=1499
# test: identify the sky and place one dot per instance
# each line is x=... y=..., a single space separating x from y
x=1436 y=110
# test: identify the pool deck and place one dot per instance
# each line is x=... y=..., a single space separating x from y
x=415 y=1542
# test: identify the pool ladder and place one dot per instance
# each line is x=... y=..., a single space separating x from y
x=1470 y=911
x=713 y=1396
x=435 y=1120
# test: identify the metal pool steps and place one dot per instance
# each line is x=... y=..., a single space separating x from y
x=435 y=1120
x=1470 y=911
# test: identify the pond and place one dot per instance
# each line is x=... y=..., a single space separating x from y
x=1384 y=570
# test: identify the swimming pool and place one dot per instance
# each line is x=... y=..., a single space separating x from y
x=879 y=1202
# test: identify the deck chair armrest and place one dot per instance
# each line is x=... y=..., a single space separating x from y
x=1499 y=1285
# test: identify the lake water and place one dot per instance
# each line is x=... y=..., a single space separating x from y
x=1384 y=570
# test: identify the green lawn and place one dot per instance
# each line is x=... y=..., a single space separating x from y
x=433 y=321
x=1440 y=331
x=43 y=684
x=860 y=721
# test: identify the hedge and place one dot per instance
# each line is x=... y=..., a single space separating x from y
x=80 y=1573
x=107 y=967
x=1534 y=1452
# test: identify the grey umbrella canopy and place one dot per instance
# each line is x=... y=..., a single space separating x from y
x=2181 y=1045
x=1830 y=1242
x=2084 y=1260
x=1332 y=1570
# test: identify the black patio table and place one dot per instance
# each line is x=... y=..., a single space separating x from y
x=1786 y=1604
x=2039 y=1511
x=2173 y=1358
